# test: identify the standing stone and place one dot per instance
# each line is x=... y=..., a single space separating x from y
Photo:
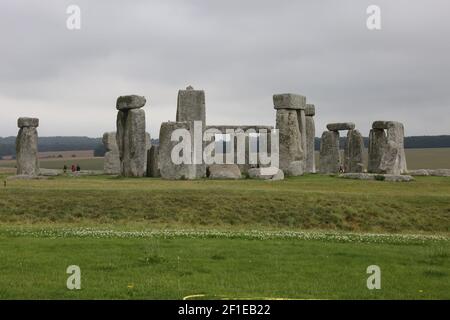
x=153 y=162
x=168 y=169
x=377 y=143
x=112 y=159
x=191 y=105
x=396 y=134
x=310 y=139
x=353 y=159
x=302 y=127
x=329 y=152
x=386 y=148
x=131 y=138
x=292 y=153
x=27 y=147
x=148 y=145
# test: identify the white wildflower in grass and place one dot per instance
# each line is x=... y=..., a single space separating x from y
x=208 y=234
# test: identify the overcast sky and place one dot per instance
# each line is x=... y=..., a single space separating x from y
x=240 y=52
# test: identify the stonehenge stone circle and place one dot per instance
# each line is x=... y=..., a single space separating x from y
x=386 y=148
x=292 y=143
x=353 y=154
x=112 y=160
x=27 y=147
x=191 y=105
x=131 y=136
x=330 y=161
x=310 y=166
x=224 y=171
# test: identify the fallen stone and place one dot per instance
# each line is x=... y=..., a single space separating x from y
x=419 y=172
x=130 y=102
x=27 y=122
x=341 y=126
x=50 y=172
x=224 y=171
x=269 y=173
x=440 y=172
x=289 y=101
x=378 y=177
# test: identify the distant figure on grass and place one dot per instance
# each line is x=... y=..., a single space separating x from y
x=74 y=168
x=78 y=168
x=65 y=169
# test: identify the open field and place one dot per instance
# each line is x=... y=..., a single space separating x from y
x=432 y=158
x=85 y=163
x=155 y=239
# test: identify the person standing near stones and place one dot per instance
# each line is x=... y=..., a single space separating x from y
x=73 y=168
x=78 y=168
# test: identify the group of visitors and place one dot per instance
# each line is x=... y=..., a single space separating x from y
x=74 y=168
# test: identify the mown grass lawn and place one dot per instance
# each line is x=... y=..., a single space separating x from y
x=34 y=267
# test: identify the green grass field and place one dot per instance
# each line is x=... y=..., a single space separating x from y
x=105 y=224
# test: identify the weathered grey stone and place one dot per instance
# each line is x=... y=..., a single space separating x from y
x=268 y=173
x=354 y=149
x=27 y=151
x=377 y=143
x=396 y=134
x=295 y=168
x=132 y=142
x=168 y=169
x=153 y=162
x=290 y=148
x=224 y=171
x=289 y=101
x=341 y=126
x=111 y=164
x=390 y=160
x=419 y=172
x=302 y=127
x=379 y=177
x=310 y=145
x=330 y=161
x=50 y=172
x=148 y=145
x=130 y=102
x=191 y=105
x=386 y=148
x=27 y=122
x=440 y=172
x=381 y=124
x=310 y=110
